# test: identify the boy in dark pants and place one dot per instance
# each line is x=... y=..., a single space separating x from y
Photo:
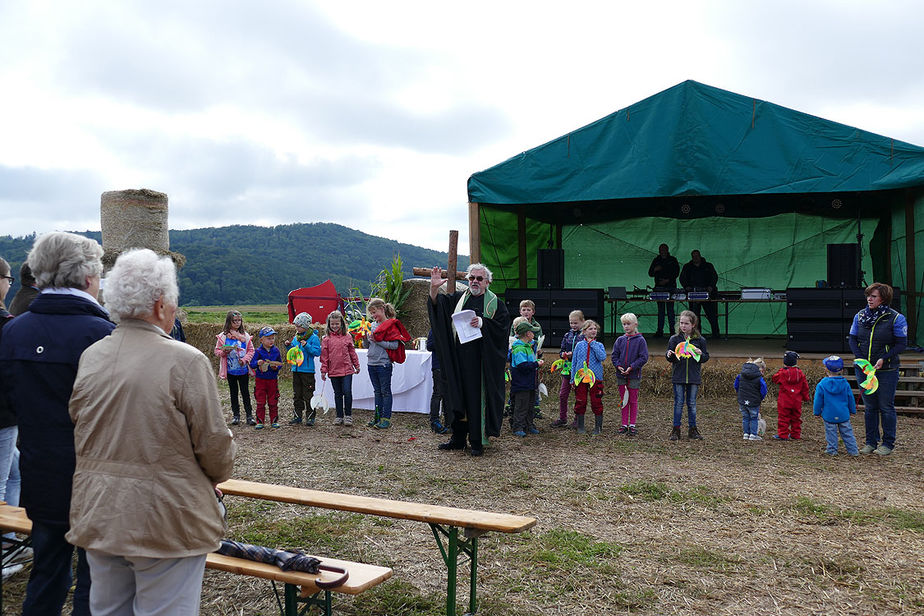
x=523 y=370
x=308 y=342
x=436 y=399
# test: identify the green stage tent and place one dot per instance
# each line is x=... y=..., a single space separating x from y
x=759 y=189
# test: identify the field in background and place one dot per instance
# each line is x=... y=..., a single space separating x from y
x=272 y=314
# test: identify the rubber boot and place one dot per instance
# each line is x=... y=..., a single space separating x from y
x=375 y=418
x=675 y=433
x=598 y=424
x=580 y=425
x=694 y=434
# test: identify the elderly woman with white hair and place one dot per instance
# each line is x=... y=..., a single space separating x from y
x=151 y=446
x=38 y=360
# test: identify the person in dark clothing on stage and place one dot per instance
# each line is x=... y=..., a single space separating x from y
x=472 y=373
x=664 y=269
x=700 y=274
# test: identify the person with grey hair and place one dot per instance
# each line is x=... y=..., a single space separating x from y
x=39 y=354
x=151 y=446
x=473 y=367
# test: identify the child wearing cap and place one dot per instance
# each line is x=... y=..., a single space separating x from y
x=524 y=367
x=589 y=354
x=834 y=402
x=266 y=361
x=527 y=312
x=794 y=392
x=307 y=341
x=752 y=389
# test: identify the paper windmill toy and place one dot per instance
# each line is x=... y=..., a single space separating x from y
x=295 y=357
x=687 y=350
x=359 y=328
x=871 y=384
x=585 y=375
x=560 y=364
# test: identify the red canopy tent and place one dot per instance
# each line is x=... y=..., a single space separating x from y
x=318 y=301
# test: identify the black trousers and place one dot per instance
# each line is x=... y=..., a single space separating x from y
x=240 y=382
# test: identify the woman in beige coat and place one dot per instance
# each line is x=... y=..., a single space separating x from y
x=151 y=445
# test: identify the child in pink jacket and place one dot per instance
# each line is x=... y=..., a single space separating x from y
x=234 y=349
x=340 y=363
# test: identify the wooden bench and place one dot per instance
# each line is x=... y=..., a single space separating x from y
x=909 y=396
x=444 y=522
x=300 y=588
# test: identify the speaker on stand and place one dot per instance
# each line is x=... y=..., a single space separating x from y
x=551 y=268
x=843 y=266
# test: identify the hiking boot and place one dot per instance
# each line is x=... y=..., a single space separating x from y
x=383 y=424
x=675 y=433
x=633 y=431
x=236 y=420
x=868 y=449
x=883 y=450
x=694 y=435
x=348 y=420
x=580 y=425
x=559 y=423
x=451 y=445
x=598 y=424
x=623 y=429
x=375 y=419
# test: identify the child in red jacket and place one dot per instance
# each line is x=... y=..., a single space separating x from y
x=794 y=392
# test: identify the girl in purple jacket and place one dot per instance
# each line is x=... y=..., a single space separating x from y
x=630 y=353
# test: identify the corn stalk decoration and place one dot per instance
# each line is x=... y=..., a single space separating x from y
x=389 y=285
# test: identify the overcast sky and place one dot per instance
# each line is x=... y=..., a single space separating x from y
x=374 y=114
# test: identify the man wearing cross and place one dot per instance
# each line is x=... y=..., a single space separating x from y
x=473 y=372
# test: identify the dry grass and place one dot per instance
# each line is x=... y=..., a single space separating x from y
x=637 y=525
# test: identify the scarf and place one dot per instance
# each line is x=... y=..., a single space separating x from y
x=867 y=318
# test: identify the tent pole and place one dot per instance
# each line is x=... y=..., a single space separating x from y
x=521 y=243
x=474 y=232
x=911 y=294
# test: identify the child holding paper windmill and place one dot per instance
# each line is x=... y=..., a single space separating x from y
x=340 y=363
x=834 y=402
x=687 y=351
x=794 y=392
x=524 y=368
x=386 y=340
x=563 y=363
x=528 y=311
x=266 y=362
x=587 y=375
x=234 y=349
x=752 y=389
x=630 y=353
x=300 y=354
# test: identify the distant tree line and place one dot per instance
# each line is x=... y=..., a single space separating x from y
x=246 y=264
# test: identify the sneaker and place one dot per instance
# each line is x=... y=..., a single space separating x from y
x=747 y=437
x=519 y=433
x=348 y=421
x=338 y=421
x=868 y=449
x=755 y=437
x=295 y=421
x=633 y=431
x=258 y=426
x=883 y=450
x=309 y=422
x=383 y=424
x=235 y=421
x=275 y=424
x=623 y=430
x=375 y=420
x=780 y=438
x=533 y=430
x=559 y=423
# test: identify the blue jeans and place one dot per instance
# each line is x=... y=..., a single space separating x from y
x=749 y=416
x=51 y=573
x=880 y=406
x=7 y=453
x=846 y=432
x=343 y=394
x=685 y=391
x=381 y=384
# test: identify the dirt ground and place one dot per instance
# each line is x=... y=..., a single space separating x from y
x=625 y=525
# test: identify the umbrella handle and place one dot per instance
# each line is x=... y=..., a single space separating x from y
x=333 y=583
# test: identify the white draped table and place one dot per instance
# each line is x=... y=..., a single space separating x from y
x=411 y=384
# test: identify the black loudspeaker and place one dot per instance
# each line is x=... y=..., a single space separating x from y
x=843 y=266
x=551 y=269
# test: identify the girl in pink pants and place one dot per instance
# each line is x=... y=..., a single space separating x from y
x=630 y=353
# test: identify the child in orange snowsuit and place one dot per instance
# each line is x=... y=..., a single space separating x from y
x=794 y=391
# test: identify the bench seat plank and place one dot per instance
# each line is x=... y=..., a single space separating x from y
x=432 y=514
x=362 y=576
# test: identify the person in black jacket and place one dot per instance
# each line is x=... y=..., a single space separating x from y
x=664 y=269
x=27 y=291
x=39 y=353
x=700 y=274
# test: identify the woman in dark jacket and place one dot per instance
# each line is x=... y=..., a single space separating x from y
x=8 y=429
x=879 y=334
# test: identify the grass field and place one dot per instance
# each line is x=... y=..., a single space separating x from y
x=269 y=314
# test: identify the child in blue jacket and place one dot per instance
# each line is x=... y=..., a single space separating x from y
x=834 y=402
x=308 y=342
x=524 y=366
x=589 y=354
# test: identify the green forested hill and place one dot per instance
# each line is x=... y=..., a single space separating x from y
x=246 y=264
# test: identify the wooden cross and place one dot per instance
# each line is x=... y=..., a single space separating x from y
x=450 y=266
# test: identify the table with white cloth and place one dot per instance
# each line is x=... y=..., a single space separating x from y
x=411 y=384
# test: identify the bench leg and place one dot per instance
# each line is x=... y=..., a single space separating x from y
x=321 y=599
x=454 y=551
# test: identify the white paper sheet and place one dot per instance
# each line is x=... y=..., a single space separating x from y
x=461 y=321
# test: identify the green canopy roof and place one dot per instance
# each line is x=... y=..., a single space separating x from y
x=697 y=140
